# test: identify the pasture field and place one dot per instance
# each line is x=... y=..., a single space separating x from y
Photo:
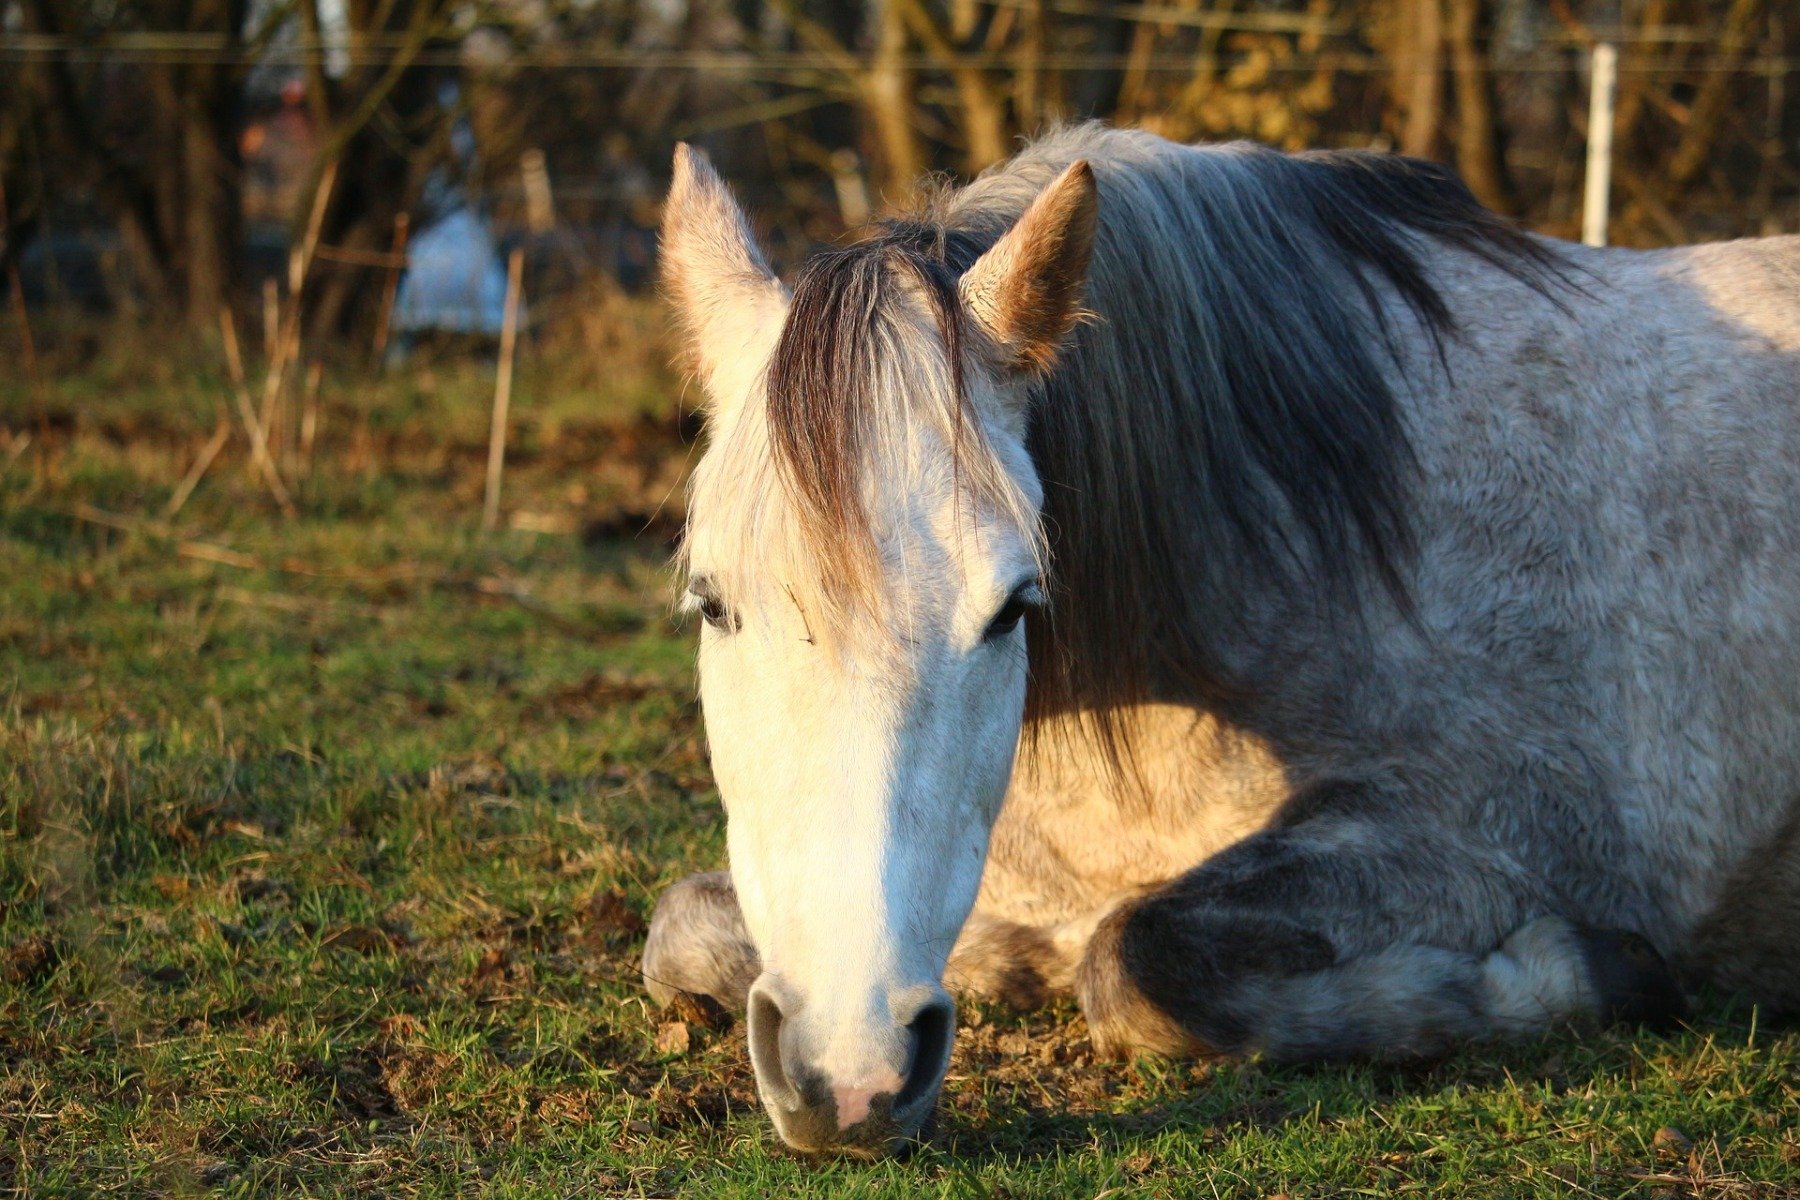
x=326 y=844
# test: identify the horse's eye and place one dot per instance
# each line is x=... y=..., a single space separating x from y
x=1006 y=620
x=1024 y=598
x=711 y=607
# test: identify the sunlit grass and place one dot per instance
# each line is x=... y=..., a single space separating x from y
x=322 y=874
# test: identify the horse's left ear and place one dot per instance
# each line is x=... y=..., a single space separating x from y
x=720 y=284
x=1025 y=292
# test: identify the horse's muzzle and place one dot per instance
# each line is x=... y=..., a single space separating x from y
x=872 y=1111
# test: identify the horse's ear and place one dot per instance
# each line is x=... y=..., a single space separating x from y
x=717 y=279
x=1026 y=290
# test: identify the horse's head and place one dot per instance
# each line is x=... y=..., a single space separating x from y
x=863 y=546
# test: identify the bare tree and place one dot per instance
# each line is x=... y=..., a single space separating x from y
x=157 y=145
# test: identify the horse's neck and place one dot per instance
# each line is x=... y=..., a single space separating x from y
x=1075 y=834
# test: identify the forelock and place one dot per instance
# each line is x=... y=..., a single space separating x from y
x=797 y=491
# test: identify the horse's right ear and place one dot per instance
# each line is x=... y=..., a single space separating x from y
x=717 y=279
x=1025 y=292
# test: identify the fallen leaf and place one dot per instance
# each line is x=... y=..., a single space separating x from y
x=672 y=1037
x=610 y=912
x=363 y=939
x=494 y=961
x=30 y=960
x=400 y=1026
x=703 y=1011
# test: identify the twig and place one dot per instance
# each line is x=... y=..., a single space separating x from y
x=391 y=286
x=196 y=472
x=350 y=256
x=1712 y=103
x=185 y=547
x=315 y=225
x=16 y=445
x=303 y=605
x=509 y=340
x=287 y=345
x=479 y=585
x=506 y=589
x=28 y=347
x=259 y=441
x=27 y=344
x=309 y=417
x=271 y=315
x=286 y=339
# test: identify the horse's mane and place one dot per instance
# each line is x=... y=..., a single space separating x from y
x=1227 y=412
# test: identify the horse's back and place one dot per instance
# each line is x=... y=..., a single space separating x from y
x=1615 y=493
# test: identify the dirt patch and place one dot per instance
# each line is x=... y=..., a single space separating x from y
x=608 y=921
x=30 y=960
x=595 y=693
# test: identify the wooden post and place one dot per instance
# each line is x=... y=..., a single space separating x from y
x=509 y=340
x=1597 y=195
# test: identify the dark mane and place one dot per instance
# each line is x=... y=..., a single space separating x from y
x=1226 y=414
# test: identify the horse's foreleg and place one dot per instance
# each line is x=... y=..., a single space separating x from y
x=1337 y=941
x=698 y=943
x=1018 y=965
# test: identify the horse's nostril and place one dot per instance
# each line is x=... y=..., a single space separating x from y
x=764 y=1018
x=931 y=1031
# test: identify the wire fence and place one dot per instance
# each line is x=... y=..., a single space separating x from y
x=386 y=51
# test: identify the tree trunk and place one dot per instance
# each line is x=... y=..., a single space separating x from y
x=1478 y=154
x=888 y=91
x=1029 y=96
x=1712 y=102
x=212 y=188
x=375 y=177
x=1423 y=73
x=983 y=108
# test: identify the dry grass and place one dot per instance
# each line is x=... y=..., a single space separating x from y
x=324 y=862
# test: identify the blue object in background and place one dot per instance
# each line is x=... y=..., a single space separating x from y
x=454 y=280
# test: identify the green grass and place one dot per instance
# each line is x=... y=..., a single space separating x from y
x=323 y=873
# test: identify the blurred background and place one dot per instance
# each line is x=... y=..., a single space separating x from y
x=161 y=159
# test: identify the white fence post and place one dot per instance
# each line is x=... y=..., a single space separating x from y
x=1598 y=193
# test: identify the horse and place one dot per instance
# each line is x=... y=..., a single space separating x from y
x=1266 y=596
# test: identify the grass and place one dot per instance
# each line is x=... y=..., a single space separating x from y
x=325 y=872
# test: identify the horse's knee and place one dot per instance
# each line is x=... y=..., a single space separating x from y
x=1171 y=977
x=698 y=944
x=1553 y=969
x=1122 y=1019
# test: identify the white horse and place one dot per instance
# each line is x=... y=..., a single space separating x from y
x=1265 y=595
